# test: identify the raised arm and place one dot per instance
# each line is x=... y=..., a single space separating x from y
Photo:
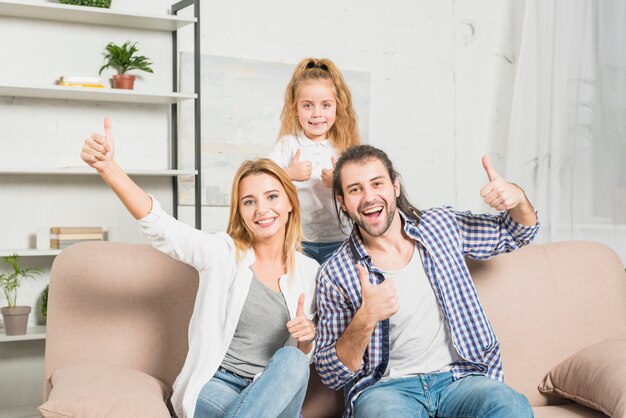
x=486 y=235
x=502 y=195
x=99 y=152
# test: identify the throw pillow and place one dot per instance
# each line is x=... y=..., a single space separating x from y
x=594 y=377
x=99 y=390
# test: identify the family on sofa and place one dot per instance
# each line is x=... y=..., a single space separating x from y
x=392 y=316
x=440 y=342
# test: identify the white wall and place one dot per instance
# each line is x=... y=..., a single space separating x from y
x=441 y=81
x=441 y=77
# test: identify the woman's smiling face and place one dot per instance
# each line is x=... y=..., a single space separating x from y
x=264 y=206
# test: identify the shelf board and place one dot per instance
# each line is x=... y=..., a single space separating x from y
x=29 y=252
x=88 y=171
x=24 y=411
x=34 y=332
x=93 y=16
x=93 y=94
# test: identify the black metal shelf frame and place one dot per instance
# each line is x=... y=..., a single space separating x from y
x=197 y=121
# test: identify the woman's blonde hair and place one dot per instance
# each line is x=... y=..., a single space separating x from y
x=237 y=228
x=344 y=133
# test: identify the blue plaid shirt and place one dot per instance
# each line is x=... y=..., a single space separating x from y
x=444 y=237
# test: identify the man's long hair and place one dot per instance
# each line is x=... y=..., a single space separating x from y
x=362 y=154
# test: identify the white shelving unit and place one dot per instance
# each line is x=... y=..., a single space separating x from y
x=22 y=357
x=26 y=411
x=92 y=94
x=29 y=252
x=86 y=171
x=94 y=16
x=37 y=332
x=32 y=341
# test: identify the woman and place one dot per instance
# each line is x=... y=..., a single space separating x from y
x=250 y=333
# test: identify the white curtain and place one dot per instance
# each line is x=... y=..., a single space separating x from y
x=567 y=140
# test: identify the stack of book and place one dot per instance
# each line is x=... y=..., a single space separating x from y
x=63 y=236
x=80 y=81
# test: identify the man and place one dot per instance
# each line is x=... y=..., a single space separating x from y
x=400 y=326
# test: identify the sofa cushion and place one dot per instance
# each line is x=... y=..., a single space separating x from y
x=594 y=377
x=572 y=410
x=99 y=390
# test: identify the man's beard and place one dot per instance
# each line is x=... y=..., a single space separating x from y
x=381 y=228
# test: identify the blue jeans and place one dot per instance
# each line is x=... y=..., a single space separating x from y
x=278 y=392
x=438 y=395
x=320 y=251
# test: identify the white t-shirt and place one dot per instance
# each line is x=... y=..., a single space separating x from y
x=419 y=340
x=319 y=221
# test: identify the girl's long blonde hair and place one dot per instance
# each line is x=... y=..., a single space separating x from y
x=344 y=133
x=237 y=228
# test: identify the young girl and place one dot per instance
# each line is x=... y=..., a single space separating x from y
x=255 y=295
x=317 y=124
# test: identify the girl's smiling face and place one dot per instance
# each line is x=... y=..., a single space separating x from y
x=264 y=206
x=316 y=106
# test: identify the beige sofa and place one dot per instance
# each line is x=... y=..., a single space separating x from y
x=118 y=314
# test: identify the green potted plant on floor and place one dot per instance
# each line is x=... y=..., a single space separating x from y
x=125 y=58
x=15 y=317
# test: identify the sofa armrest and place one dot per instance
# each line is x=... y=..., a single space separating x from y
x=101 y=390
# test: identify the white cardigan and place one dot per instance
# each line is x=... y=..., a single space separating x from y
x=222 y=291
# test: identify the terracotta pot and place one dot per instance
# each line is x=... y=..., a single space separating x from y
x=15 y=319
x=123 y=81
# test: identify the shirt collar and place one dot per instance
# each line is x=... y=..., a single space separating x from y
x=304 y=141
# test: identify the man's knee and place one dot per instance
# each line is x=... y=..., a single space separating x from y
x=484 y=397
x=502 y=400
x=520 y=406
x=386 y=402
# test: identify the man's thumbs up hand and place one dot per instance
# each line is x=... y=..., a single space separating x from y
x=301 y=328
x=379 y=302
x=499 y=194
x=492 y=174
x=363 y=278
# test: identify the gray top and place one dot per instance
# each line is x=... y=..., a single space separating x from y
x=260 y=332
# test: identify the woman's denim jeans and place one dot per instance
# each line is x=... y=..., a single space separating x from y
x=278 y=392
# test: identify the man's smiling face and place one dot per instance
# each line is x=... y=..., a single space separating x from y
x=369 y=195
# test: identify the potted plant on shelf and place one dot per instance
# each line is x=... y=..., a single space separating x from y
x=91 y=3
x=44 y=302
x=124 y=58
x=15 y=317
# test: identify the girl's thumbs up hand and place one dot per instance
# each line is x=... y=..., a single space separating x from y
x=327 y=173
x=299 y=170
